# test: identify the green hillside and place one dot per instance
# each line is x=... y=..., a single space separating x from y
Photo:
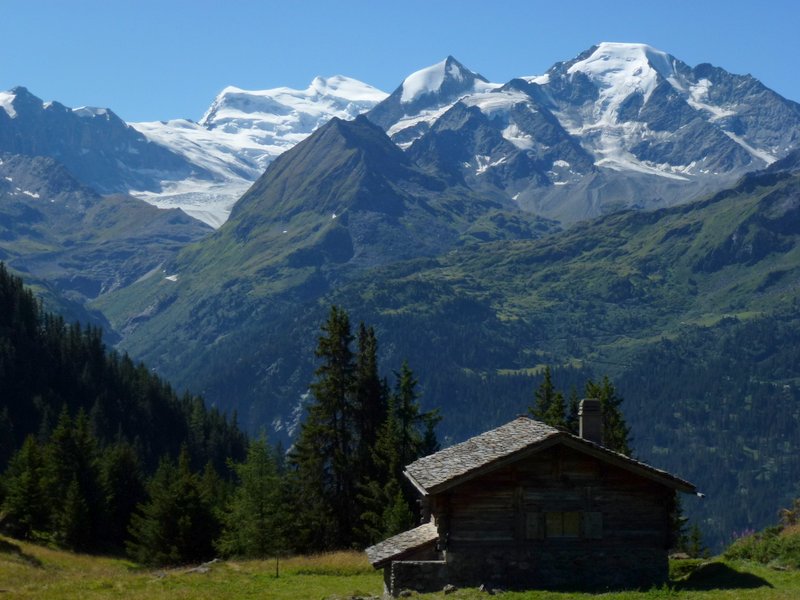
x=487 y=299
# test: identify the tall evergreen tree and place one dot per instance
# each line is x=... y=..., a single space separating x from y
x=123 y=488
x=252 y=522
x=415 y=428
x=176 y=524
x=72 y=473
x=616 y=433
x=25 y=508
x=549 y=404
x=370 y=401
x=323 y=454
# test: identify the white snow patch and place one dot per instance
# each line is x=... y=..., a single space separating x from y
x=89 y=112
x=210 y=202
x=9 y=178
x=620 y=70
x=7 y=103
x=424 y=81
x=561 y=163
x=242 y=132
x=759 y=154
x=537 y=79
x=493 y=102
x=485 y=163
x=31 y=194
x=522 y=140
x=697 y=99
x=171 y=278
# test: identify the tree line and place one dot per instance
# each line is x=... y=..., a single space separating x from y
x=99 y=454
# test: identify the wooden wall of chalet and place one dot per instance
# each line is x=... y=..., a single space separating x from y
x=518 y=524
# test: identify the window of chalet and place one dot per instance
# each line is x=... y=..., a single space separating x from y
x=564 y=525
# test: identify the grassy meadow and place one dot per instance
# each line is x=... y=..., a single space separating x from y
x=37 y=572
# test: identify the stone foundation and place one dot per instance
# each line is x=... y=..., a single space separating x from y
x=418 y=575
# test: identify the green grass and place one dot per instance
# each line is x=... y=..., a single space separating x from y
x=36 y=572
x=31 y=571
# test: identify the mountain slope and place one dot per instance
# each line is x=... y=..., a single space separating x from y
x=95 y=145
x=242 y=132
x=477 y=318
x=339 y=204
x=84 y=245
x=620 y=126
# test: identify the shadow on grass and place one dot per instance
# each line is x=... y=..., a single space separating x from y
x=16 y=551
x=719 y=576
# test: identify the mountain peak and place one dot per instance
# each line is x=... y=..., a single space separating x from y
x=433 y=79
x=620 y=63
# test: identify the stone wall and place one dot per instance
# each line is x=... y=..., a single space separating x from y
x=418 y=575
x=558 y=568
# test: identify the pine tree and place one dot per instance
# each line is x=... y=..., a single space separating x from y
x=72 y=472
x=616 y=433
x=574 y=403
x=323 y=454
x=695 y=546
x=370 y=401
x=123 y=488
x=175 y=525
x=252 y=522
x=549 y=405
x=389 y=503
x=416 y=429
x=73 y=522
x=26 y=508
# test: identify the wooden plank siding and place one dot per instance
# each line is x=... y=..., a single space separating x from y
x=617 y=506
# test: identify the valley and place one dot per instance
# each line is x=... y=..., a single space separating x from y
x=622 y=214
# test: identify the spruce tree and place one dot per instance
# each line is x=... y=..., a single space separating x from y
x=549 y=405
x=176 y=524
x=370 y=401
x=416 y=429
x=324 y=453
x=616 y=433
x=123 y=489
x=72 y=472
x=26 y=508
x=252 y=521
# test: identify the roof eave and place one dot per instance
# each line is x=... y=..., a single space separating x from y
x=419 y=487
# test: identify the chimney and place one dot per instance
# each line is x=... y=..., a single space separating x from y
x=591 y=420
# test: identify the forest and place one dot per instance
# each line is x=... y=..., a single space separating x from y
x=100 y=454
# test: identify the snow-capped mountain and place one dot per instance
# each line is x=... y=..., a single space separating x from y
x=620 y=125
x=242 y=132
x=423 y=97
x=97 y=147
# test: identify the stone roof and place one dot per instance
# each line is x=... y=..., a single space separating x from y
x=401 y=543
x=448 y=467
x=439 y=468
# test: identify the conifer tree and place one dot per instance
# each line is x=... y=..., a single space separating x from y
x=370 y=400
x=252 y=521
x=72 y=474
x=25 y=507
x=416 y=436
x=73 y=522
x=323 y=454
x=175 y=525
x=573 y=408
x=549 y=405
x=123 y=488
x=616 y=433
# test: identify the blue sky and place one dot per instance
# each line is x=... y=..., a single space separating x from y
x=150 y=60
